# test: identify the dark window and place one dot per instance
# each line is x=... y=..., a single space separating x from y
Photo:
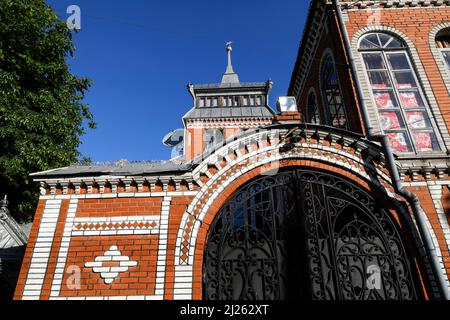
x=312 y=115
x=332 y=95
x=443 y=43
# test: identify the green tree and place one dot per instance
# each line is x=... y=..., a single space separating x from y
x=41 y=103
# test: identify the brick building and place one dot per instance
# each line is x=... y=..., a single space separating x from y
x=346 y=197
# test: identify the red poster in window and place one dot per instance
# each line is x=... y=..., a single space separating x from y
x=383 y=100
x=409 y=99
x=416 y=120
x=389 y=121
x=423 y=141
x=404 y=85
x=398 y=142
x=379 y=86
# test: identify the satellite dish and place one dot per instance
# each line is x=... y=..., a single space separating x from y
x=173 y=138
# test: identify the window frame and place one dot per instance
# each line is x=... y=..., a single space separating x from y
x=316 y=115
x=429 y=117
x=327 y=114
x=443 y=50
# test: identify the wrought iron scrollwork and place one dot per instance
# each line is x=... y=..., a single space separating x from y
x=304 y=234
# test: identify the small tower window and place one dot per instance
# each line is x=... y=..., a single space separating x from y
x=397 y=94
x=212 y=137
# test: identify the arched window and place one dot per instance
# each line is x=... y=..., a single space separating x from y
x=397 y=93
x=312 y=112
x=443 y=43
x=332 y=94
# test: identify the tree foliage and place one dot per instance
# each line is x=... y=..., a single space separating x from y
x=41 y=102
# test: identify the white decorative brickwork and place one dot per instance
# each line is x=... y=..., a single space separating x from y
x=110 y=226
x=111 y=264
x=64 y=249
x=162 y=247
x=41 y=252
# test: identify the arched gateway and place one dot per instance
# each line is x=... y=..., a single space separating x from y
x=305 y=234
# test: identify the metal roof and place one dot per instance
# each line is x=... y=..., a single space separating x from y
x=230 y=112
x=119 y=168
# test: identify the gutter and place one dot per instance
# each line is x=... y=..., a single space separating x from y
x=410 y=197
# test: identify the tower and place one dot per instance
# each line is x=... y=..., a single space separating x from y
x=224 y=109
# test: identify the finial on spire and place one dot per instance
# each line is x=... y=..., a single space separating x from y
x=230 y=76
x=229 y=50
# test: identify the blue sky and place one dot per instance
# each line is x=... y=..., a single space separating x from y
x=140 y=55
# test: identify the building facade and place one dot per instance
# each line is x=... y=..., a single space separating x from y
x=345 y=198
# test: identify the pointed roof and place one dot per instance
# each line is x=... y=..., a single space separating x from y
x=230 y=76
x=11 y=235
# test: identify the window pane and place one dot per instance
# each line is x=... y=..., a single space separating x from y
x=370 y=42
x=411 y=99
x=385 y=39
x=394 y=43
x=425 y=141
x=391 y=121
x=399 y=141
x=398 y=61
x=379 y=79
x=404 y=79
x=374 y=61
x=385 y=99
x=417 y=120
x=447 y=57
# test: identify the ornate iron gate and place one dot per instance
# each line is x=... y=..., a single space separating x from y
x=305 y=235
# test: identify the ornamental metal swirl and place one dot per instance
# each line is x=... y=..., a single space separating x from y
x=305 y=235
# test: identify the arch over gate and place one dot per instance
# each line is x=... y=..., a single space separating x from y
x=305 y=234
x=262 y=152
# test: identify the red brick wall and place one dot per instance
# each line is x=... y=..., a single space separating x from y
x=119 y=207
x=139 y=280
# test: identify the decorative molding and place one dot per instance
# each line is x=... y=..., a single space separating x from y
x=386 y=4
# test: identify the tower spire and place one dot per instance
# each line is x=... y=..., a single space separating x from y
x=230 y=76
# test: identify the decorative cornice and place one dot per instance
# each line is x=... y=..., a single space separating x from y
x=230 y=122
